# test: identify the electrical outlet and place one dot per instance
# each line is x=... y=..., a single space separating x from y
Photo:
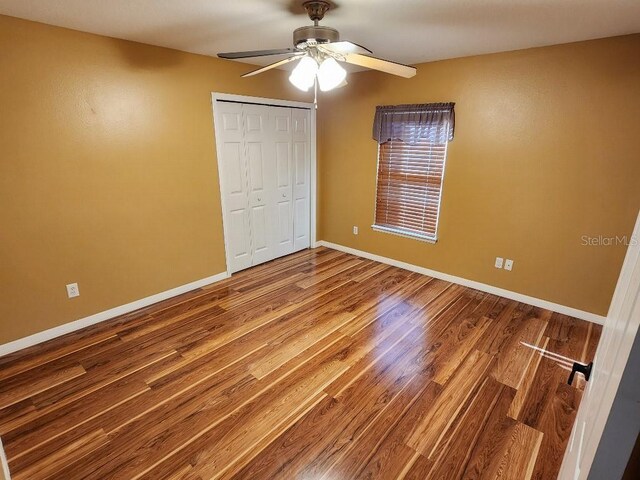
x=355 y=230
x=73 y=290
x=508 y=264
x=499 y=261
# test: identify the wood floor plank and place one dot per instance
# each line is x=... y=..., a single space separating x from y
x=23 y=470
x=511 y=366
x=391 y=457
x=33 y=359
x=508 y=321
x=21 y=388
x=419 y=469
x=550 y=373
x=453 y=454
x=493 y=438
x=318 y=365
x=47 y=427
x=358 y=452
x=557 y=423
x=429 y=431
x=519 y=456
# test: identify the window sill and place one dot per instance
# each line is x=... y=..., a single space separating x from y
x=400 y=233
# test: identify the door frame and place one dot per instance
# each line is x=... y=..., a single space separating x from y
x=276 y=102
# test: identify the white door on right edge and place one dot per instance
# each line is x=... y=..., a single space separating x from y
x=618 y=334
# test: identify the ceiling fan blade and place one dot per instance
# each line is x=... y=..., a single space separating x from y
x=344 y=47
x=257 y=53
x=379 y=64
x=273 y=65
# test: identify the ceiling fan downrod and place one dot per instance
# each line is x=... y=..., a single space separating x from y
x=316 y=9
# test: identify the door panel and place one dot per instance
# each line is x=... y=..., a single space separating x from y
x=257 y=153
x=302 y=178
x=240 y=236
x=255 y=115
x=282 y=119
x=284 y=179
x=260 y=165
x=283 y=164
x=235 y=186
x=284 y=225
x=256 y=166
x=234 y=168
x=260 y=228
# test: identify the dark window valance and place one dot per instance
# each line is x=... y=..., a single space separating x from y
x=433 y=122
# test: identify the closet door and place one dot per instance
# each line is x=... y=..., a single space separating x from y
x=283 y=221
x=261 y=159
x=264 y=173
x=235 y=185
x=301 y=134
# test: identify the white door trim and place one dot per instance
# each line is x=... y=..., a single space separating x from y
x=215 y=96
x=4 y=463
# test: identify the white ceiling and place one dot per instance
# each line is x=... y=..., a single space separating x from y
x=408 y=31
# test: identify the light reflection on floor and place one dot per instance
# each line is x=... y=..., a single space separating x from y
x=388 y=336
x=563 y=362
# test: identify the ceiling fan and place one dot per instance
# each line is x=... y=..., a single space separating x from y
x=318 y=50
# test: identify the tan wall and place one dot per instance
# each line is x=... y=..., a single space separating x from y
x=547 y=149
x=107 y=171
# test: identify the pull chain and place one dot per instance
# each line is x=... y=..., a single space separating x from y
x=315 y=92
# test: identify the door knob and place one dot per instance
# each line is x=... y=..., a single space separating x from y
x=583 y=369
x=259 y=199
x=284 y=195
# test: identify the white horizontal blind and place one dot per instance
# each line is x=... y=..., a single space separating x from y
x=409 y=187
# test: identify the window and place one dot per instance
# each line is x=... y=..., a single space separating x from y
x=411 y=159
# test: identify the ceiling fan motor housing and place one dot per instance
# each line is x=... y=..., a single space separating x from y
x=314 y=34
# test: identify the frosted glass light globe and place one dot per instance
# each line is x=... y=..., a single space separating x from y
x=330 y=74
x=303 y=76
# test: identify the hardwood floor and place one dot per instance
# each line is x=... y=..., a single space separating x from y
x=317 y=365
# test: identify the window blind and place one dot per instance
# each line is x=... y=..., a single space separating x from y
x=409 y=185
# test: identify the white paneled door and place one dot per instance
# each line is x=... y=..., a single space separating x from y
x=264 y=179
x=618 y=335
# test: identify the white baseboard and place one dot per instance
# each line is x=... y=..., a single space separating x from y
x=106 y=315
x=144 y=302
x=519 y=297
x=4 y=463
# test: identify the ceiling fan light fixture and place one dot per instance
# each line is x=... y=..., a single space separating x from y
x=303 y=76
x=330 y=74
x=317 y=47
